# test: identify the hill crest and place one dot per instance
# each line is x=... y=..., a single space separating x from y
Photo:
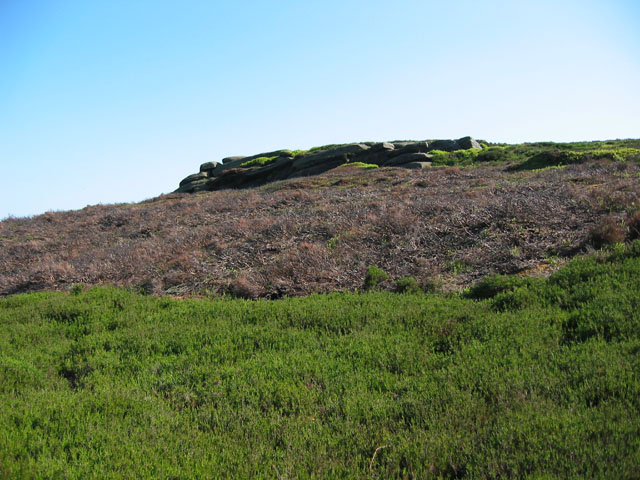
x=255 y=170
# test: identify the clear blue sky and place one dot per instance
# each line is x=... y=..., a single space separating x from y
x=107 y=101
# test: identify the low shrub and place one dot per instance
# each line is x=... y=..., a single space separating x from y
x=615 y=154
x=555 y=158
x=494 y=154
x=245 y=287
x=517 y=299
x=146 y=287
x=408 y=285
x=431 y=285
x=550 y=158
x=607 y=232
x=374 y=277
x=633 y=222
x=457 y=157
x=493 y=285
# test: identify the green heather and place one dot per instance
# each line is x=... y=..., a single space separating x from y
x=555 y=158
x=457 y=157
x=323 y=148
x=541 y=155
x=535 y=378
x=532 y=156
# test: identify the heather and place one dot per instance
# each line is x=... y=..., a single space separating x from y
x=520 y=209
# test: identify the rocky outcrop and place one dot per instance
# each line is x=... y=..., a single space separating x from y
x=406 y=158
x=406 y=148
x=254 y=170
x=416 y=165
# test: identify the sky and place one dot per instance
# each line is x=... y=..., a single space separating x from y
x=109 y=101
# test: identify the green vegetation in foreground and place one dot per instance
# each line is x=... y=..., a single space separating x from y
x=517 y=378
x=258 y=162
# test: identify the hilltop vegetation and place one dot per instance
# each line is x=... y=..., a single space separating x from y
x=514 y=379
x=504 y=209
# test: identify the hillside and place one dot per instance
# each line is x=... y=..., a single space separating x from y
x=470 y=212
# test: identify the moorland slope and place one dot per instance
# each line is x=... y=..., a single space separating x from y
x=496 y=209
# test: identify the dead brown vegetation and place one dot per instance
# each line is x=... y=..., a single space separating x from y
x=634 y=225
x=317 y=234
x=608 y=232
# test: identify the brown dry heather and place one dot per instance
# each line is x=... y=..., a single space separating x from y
x=634 y=225
x=450 y=226
x=608 y=232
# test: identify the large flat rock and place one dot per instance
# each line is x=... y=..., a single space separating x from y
x=407 y=158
